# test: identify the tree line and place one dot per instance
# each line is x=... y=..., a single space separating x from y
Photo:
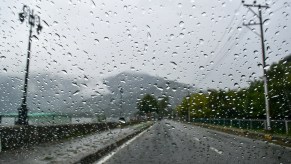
x=149 y=105
x=246 y=102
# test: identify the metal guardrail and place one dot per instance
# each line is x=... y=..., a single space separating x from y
x=278 y=126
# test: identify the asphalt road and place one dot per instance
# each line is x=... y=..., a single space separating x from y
x=172 y=142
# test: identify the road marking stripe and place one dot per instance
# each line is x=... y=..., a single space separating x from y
x=216 y=150
x=106 y=158
x=197 y=139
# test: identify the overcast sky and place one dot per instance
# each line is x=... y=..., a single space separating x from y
x=177 y=39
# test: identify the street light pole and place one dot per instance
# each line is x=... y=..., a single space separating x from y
x=32 y=21
x=121 y=100
x=121 y=118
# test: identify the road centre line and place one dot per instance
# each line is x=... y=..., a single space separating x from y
x=197 y=139
x=216 y=150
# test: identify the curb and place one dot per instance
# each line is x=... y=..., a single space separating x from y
x=283 y=141
x=103 y=151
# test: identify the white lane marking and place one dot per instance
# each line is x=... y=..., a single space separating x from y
x=106 y=158
x=197 y=139
x=216 y=150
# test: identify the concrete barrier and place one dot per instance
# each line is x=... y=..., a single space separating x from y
x=23 y=136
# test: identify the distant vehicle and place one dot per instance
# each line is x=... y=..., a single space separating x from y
x=122 y=120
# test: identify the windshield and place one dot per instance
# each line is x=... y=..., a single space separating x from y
x=145 y=81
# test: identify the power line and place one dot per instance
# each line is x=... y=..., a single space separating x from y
x=278 y=9
x=225 y=47
x=241 y=35
x=225 y=32
x=226 y=43
x=223 y=50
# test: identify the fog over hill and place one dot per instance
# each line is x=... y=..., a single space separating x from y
x=123 y=101
x=47 y=93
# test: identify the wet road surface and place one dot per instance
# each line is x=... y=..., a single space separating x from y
x=173 y=142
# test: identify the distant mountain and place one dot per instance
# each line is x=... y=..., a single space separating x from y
x=51 y=93
x=46 y=93
x=126 y=88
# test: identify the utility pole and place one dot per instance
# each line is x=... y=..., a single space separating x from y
x=121 y=100
x=188 y=106
x=259 y=15
x=33 y=20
